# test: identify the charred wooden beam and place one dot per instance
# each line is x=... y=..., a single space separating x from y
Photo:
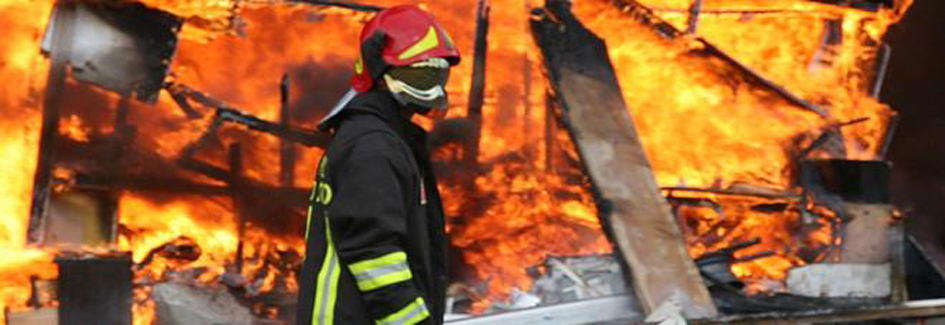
x=56 y=82
x=146 y=183
x=882 y=64
x=186 y=91
x=296 y=196
x=888 y=136
x=286 y=148
x=478 y=85
x=526 y=97
x=121 y=138
x=767 y=195
x=236 y=192
x=830 y=132
x=869 y=5
x=646 y=16
x=309 y=138
x=228 y=113
x=550 y=130
x=637 y=218
x=694 y=10
x=341 y=4
x=737 y=11
x=180 y=97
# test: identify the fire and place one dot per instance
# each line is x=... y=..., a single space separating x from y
x=72 y=127
x=23 y=72
x=703 y=128
x=700 y=129
x=208 y=226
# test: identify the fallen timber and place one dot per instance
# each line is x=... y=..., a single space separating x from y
x=477 y=89
x=340 y=4
x=632 y=209
x=646 y=16
x=226 y=113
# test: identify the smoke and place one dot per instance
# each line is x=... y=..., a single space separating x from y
x=914 y=88
x=317 y=86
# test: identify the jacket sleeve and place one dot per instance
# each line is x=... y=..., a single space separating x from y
x=368 y=217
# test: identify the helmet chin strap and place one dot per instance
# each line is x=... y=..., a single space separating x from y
x=339 y=106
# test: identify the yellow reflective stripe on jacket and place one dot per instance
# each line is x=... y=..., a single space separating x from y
x=308 y=221
x=415 y=312
x=323 y=313
x=382 y=271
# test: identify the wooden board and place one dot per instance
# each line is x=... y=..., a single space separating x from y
x=44 y=316
x=634 y=213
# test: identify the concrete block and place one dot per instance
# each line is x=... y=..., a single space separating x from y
x=841 y=280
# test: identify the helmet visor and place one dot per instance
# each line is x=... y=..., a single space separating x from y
x=421 y=84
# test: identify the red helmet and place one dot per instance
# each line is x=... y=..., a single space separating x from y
x=399 y=36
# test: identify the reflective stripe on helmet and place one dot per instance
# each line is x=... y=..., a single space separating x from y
x=428 y=42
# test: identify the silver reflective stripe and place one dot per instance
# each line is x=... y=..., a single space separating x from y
x=417 y=310
x=380 y=271
x=440 y=63
x=326 y=289
x=423 y=94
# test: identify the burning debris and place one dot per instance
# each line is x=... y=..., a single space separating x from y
x=726 y=186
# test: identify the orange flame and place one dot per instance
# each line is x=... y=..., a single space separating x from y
x=699 y=128
x=703 y=128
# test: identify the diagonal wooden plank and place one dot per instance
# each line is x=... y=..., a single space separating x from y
x=634 y=213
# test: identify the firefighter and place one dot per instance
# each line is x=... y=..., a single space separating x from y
x=376 y=242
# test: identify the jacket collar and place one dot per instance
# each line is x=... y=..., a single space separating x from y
x=382 y=104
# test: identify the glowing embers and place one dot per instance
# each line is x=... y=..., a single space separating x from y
x=789 y=232
x=514 y=218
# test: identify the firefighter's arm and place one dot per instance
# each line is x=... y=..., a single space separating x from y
x=368 y=216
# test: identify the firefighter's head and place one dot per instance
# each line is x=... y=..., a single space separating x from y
x=405 y=50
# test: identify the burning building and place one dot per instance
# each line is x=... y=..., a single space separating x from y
x=618 y=155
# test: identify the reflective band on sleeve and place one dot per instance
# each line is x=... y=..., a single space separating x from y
x=383 y=276
x=415 y=312
x=327 y=288
x=382 y=271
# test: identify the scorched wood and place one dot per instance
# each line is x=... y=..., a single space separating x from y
x=61 y=40
x=286 y=148
x=478 y=88
x=634 y=10
x=632 y=209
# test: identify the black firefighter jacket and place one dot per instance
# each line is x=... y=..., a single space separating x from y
x=376 y=243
